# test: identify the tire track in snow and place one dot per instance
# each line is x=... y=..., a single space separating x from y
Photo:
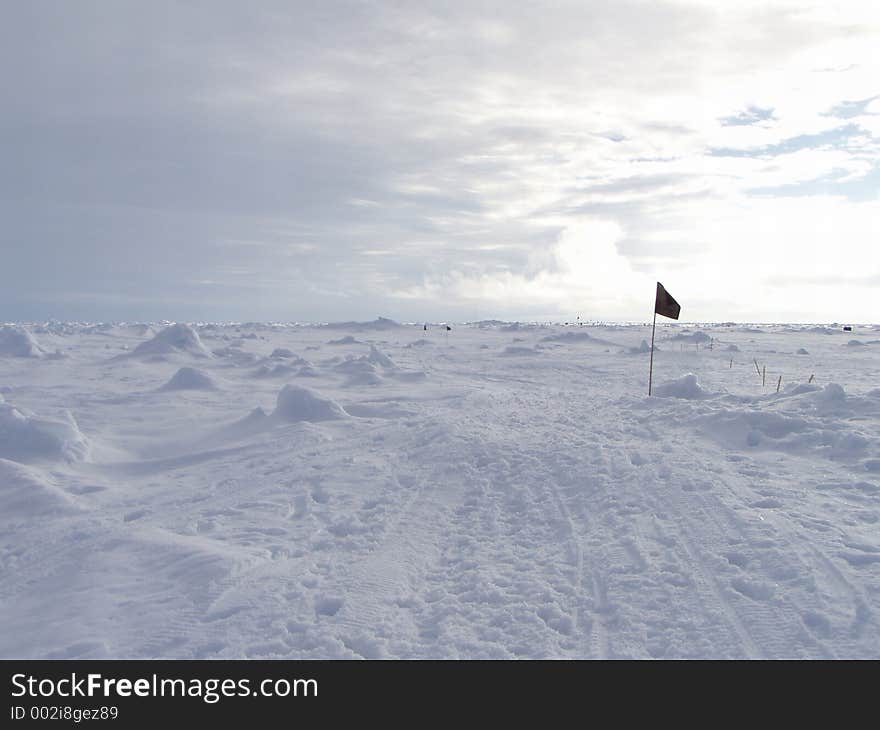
x=384 y=573
x=771 y=622
x=703 y=574
x=381 y=584
x=588 y=624
x=599 y=641
x=863 y=615
x=768 y=627
x=779 y=624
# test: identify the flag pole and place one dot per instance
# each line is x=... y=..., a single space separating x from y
x=651 y=367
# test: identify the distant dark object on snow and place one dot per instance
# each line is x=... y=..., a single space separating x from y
x=847 y=328
x=448 y=328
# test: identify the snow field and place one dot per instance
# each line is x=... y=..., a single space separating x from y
x=372 y=490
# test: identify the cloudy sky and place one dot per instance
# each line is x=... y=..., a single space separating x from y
x=315 y=161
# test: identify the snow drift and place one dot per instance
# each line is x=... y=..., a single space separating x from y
x=360 y=371
x=377 y=325
x=642 y=348
x=347 y=340
x=177 y=338
x=687 y=386
x=573 y=337
x=509 y=507
x=514 y=351
x=24 y=437
x=379 y=358
x=276 y=370
x=296 y=403
x=26 y=493
x=18 y=342
x=692 y=337
x=190 y=379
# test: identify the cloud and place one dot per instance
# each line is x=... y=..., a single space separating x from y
x=585 y=272
x=316 y=160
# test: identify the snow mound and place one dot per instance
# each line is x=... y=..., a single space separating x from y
x=855 y=343
x=190 y=379
x=176 y=338
x=695 y=337
x=380 y=324
x=143 y=330
x=785 y=432
x=514 y=351
x=520 y=327
x=801 y=388
x=833 y=393
x=686 y=386
x=831 y=400
x=281 y=369
x=802 y=351
x=26 y=438
x=410 y=375
x=642 y=348
x=18 y=342
x=577 y=337
x=732 y=348
x=379 y=358
x=360 y=371
x=307 y=371
x=347 y=340
x=296 y=403
x=281 y=352
x=569 y=337
x=25 y=493
x=419 y=343
x=355 y=366
x=236 y=355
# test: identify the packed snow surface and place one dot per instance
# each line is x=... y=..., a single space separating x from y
x=496 y=491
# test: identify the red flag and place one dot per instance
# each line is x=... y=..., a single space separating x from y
x=664 y=304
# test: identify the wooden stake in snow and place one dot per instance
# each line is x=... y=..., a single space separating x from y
x=811 y=378
x=665 y=306
x=779 y=384
x=731 y=364
x=764 y=377
x=757 y=369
